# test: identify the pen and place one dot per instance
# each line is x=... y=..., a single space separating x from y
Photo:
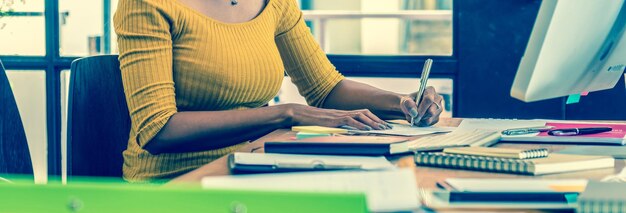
x=423 y=81
x=527 y=130
x=578 y=131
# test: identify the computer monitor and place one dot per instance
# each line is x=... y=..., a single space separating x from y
x=576 y=46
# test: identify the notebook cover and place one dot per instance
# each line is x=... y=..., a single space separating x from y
x=515 y=185
x=432 y=200
x=102 y=196
x=243 y=162
x=336 y=145
x=616 y=136
x=618 y=152
x=538 y=197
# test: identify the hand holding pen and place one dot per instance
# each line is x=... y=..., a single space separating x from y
x=423 y=107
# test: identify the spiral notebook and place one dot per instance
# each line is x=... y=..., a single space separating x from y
x=499 y=152
x=554 y=163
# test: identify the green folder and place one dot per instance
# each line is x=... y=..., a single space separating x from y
x=103 y=197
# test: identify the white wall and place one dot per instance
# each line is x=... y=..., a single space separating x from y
x=342 y=35
x=85 y=20
x=382 y=35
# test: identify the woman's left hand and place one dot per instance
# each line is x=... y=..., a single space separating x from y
x=428 y=111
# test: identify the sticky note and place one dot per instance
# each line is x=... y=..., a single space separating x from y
x=318 y=129
x=572 y=99
x=399 y=121
x=303 y=135
x=584 y=93
x=568 y=188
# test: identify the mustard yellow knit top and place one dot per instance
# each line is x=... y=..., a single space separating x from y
x=174 y=58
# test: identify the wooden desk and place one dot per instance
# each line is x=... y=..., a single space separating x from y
x=425 y=176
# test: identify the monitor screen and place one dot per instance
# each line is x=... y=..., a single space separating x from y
x=576 y=46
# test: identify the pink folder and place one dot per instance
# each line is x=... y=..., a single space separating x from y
x=616 y=136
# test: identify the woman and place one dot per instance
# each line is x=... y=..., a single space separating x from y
x=196 y=73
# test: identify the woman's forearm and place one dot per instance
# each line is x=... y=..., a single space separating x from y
x=205 y=130
x=351 y=95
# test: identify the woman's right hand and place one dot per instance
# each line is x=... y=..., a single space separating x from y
x=303 y=115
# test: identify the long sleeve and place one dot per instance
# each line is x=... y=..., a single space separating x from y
x=145 y=46
x=174 y=58
x=305 y=62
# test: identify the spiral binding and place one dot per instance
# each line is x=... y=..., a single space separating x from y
x=534 y=153
x=456 y=161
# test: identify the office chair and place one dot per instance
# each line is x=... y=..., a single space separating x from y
x=14 y=152
x=98 y=119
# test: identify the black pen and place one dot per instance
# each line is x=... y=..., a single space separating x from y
x=578 y=131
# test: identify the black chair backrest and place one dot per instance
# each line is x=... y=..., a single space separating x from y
x=98 y=119
x=14 y=152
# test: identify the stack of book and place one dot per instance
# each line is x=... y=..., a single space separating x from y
x=603 y=197
x=504 y=194
x=529 y=162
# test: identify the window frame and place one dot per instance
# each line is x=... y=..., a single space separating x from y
x=52 y=63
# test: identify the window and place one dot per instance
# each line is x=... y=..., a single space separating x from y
x=391 y=27
x=289 y=93
x=364 y=39
x=22 y=31
x=41 y=38
x=86 y=27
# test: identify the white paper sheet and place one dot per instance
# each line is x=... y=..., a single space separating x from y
x=388 y=190
x=406 y=130
x=499 y=124
x=366 y=163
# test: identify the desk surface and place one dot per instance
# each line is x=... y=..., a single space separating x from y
x=426 y=177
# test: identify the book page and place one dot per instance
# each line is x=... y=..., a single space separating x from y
x=407 y=130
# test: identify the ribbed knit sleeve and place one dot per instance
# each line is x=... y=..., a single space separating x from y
x=145 y=46
x=305 y=62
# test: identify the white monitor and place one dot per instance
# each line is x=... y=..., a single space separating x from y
x=576 y=46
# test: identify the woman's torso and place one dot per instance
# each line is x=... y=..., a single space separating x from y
x=215 y=66
x=221 y=66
